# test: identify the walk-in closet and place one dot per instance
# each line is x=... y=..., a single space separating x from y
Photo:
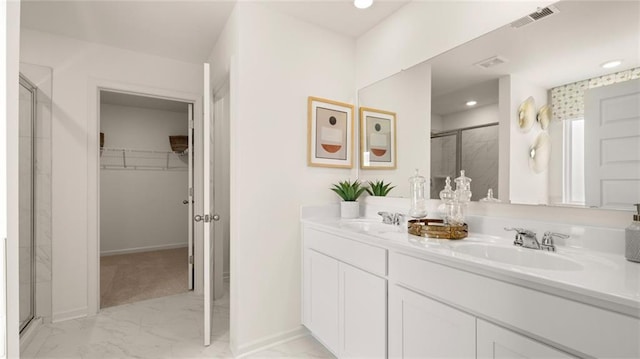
x=144 y=198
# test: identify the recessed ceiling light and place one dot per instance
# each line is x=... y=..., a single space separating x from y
x=471 y=103
x=362 y=4
x=611 y=64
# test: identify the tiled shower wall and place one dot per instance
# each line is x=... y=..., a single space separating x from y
x=42 y=77
x=479 y=160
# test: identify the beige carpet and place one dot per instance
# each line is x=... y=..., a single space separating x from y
x=128 y=278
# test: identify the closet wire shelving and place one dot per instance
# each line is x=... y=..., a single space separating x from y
x=138 y=159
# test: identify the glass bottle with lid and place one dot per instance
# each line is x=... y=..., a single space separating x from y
x=417 y=194
x=447 y=195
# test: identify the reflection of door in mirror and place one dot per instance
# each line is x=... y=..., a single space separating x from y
x=612 y=130
x=473 y=149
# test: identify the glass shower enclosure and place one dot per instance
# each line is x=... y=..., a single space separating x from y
x=26 y=259
x=473 y=149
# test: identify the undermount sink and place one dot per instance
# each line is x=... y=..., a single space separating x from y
x=518 y=256
x=368 y=226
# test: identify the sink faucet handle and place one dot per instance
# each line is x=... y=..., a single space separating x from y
x=387 y=217
x=521 y=231
x=547 y=239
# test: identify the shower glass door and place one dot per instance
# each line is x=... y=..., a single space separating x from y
x=473 y=149
x=26 y=257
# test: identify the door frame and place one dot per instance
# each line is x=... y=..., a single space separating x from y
x=33 y=89
x=93 y=176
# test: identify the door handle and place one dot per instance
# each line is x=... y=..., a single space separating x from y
x=199 y=218
x=206 y=218
x=186 y=201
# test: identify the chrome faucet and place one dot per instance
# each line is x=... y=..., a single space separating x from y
x=392 y=218
x=547 y=240
x=525 y=238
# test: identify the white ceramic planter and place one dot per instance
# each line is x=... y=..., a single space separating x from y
x=349 y=209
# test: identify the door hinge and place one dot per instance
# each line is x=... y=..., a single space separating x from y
x=191 y=124
x=191 y=191
x=190 y=259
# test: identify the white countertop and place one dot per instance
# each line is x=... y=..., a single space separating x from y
x=602 y=279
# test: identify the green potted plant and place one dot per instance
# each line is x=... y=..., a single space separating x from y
x=379 y=188
x=349 y=192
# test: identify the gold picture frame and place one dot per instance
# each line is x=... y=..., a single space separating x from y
x=329 y=133
x=378 y=149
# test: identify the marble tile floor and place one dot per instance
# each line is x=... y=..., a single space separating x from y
x=167 y=327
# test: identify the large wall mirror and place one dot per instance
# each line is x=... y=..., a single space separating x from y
x=545 y=110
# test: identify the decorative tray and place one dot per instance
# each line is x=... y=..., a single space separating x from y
x=436 y=228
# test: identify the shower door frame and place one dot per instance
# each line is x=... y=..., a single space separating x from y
x=24 y=81
x=458 y=133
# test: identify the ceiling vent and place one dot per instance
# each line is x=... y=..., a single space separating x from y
x=491 y=62
x=535 y=16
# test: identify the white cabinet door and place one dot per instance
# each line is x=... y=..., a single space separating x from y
x=363 y=315
x=323 y=298
x=420 y=327
x=497 y=342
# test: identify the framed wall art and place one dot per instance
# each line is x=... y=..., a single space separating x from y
x=377 y=139
x=329 y=133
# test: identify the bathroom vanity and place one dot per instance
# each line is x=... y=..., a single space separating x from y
x=372 y=290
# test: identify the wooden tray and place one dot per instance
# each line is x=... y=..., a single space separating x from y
x=435 y=228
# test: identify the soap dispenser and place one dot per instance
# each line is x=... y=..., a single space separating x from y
x=632 y=237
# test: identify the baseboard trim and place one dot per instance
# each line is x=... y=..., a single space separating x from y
x=29 y=333
x=269 y=341
x=142 y=249
x=70 y=314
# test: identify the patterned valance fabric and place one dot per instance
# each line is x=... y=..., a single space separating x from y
x=567 y=101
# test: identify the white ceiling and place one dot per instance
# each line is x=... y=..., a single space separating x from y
x=560 y=49
x=484 y=93
x=339 y=15
x=182 y=30
x=124 y=99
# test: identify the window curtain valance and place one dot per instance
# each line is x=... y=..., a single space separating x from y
x=567 y=101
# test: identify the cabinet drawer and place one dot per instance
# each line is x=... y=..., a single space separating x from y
x=370 y=258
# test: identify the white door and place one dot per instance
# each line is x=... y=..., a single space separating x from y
x=323 y=275
x=612 y=145
x=420 y=327
x=220 y=175
x=363 y=314
x=208 y=218
x=495 y=342
x=189 y=200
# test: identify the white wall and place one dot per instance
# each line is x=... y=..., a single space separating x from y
x=9 y=52
x=436 y=123
x=408 y=94
x=76 y=66
x=474 y=117
x=280 y=62
x=142 y=209
x=423 y=29
x=526 y=186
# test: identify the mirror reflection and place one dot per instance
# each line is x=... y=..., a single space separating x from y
x=545 y=110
